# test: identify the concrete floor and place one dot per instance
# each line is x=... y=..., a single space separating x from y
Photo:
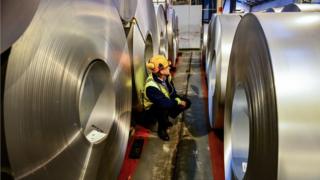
x=193 y=156
x=190 y=152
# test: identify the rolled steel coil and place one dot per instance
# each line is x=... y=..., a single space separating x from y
x=162 y=30
x=175 y=49
x=126 y=8
x=210 y=54
x=67 y=97
x=210 y=44
x=204 y=41
x=272 y=126
x=176 y=30
x=275 y=10
x=301 y=8
x=143 y=43
x=224 y=29
x=15 y=17
x=171 y=34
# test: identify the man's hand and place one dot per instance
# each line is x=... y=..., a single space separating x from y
x=183 y=103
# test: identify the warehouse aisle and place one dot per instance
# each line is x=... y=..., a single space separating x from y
x=188 y=154
x=157 y=156
x=193 y=156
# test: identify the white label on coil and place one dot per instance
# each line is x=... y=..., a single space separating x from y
x=95 y=136
x=244 y=166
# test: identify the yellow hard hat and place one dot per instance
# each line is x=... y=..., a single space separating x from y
x=157 y=63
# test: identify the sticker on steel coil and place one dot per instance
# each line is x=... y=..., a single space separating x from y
x=244 y=167
x=95 y=136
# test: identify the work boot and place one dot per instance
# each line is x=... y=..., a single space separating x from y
x=163 y=135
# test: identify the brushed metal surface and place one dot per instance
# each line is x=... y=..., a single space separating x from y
x=294 y=7
x=143 y=43
x=171 y=35
x=224 y=29
x=281 y=97
x=204 y=41
x=162 y=30
x=71 y=68
x=126 y=8
x=275 y=10
x=228 y=25
x=176 y=31
x=210 y=54
x=210 y=43
x=15 y=17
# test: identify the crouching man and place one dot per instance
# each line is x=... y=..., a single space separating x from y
x=160 y=97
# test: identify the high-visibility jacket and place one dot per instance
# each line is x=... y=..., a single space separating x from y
x=171 y=98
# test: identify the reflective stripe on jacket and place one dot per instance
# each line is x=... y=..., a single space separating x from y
x=165 y=96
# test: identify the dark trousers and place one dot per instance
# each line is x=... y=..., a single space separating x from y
x=159 y=114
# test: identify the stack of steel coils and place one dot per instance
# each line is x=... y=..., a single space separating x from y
x=301 y=8
x=67 y=95
x=172 y=34
x=162 y=30
x=272 y=126
x=274 y=10
x=210 y=43
x=294 y=7
x=222 y=31
x=67 y=83
x=208 y=58
x=263 y=90
x=226 y=26
x=204 y=42
x=176 y=30
x=143 y=42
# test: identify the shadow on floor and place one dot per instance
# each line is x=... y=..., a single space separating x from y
x=186 y=166
x=195 y=118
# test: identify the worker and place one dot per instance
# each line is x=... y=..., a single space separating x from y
x=160 y=97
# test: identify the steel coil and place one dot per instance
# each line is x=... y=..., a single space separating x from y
x=210 y=54
x=171 y=34
x=126 y=8
x=275 y=10
x=210 y=44
x=301 y=8
x=15 y=17
x=67 y=97
x=204 y=41
x=143 y=43
x=176 y=31
x=224 y=29
x=272 y=126
x=175 y=50
x=162 y=30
